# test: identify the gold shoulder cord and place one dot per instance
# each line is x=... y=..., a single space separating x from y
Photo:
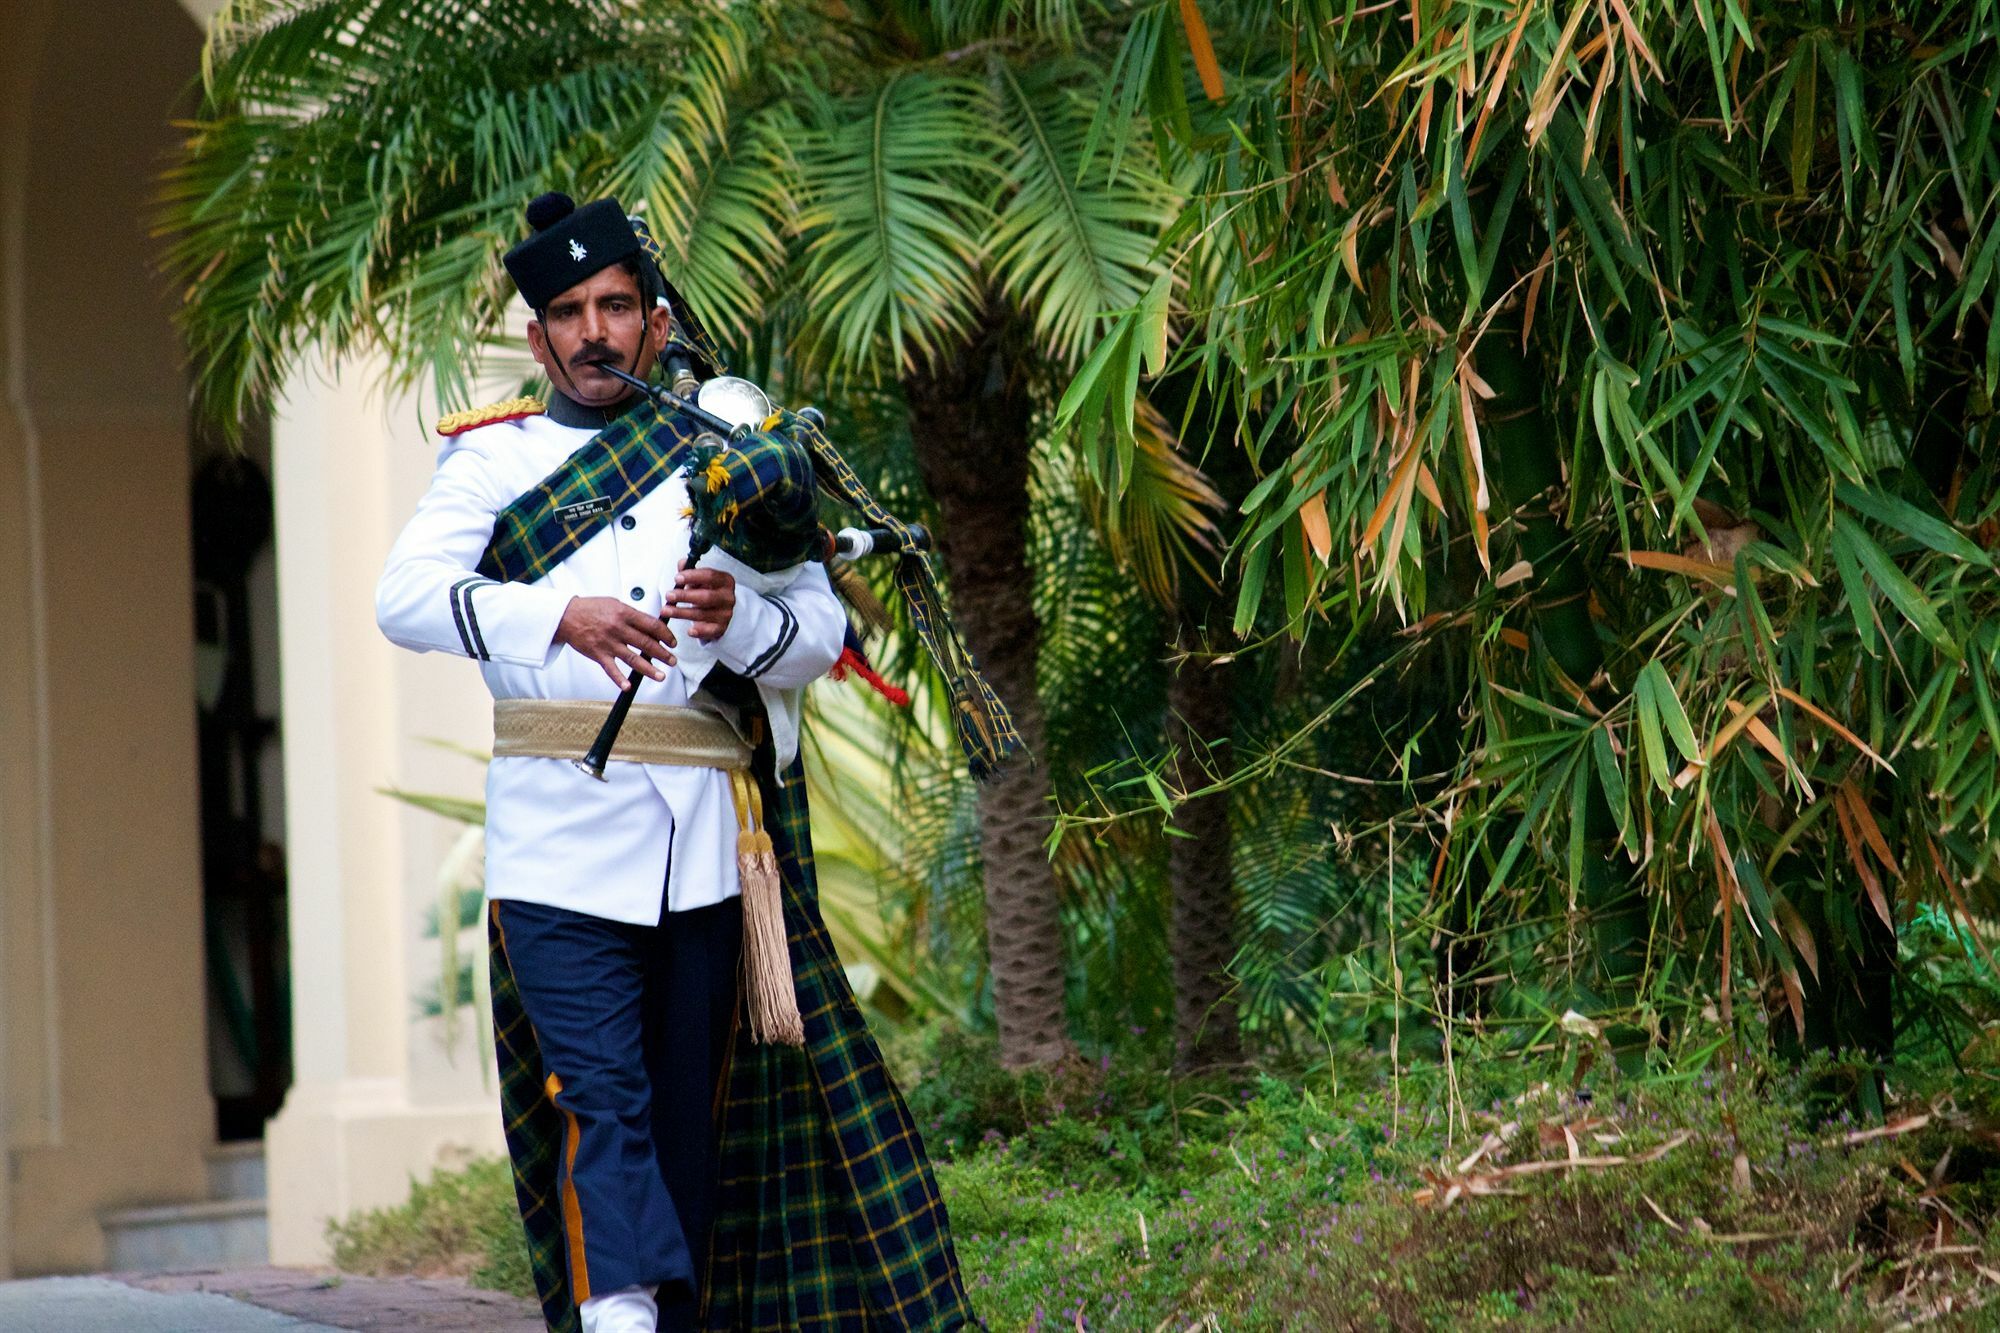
x=457 y=423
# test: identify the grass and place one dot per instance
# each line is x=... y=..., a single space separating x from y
x=1116 y=1198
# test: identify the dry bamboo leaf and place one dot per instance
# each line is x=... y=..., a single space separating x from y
x=1496 y=79
x=1907 y=1125
x=1529 y=306
x=1767 y=740
x=1608 y=68
x=1427 y=487
x=1795 y=997
x=1739 y=718
x=1957 y=899
x=1660 y=1213
x=1838 y=729
x=1514 y=638
x=1871 y=883
x=1203 y=50
x=1475 y=459
x=1396 y=496
x=1722 y=576
x=1541 y=105
x=1350 y=255
x=1871 y=832
x=1514 y=573
x=1633 y=39
x=1795 y=930
x=1312 y=517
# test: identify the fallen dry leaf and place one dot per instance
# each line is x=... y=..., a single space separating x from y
x=1907 y=1125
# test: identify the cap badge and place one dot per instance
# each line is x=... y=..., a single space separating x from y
x=576 y=251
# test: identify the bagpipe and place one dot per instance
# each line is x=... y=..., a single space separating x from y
x=755 y=481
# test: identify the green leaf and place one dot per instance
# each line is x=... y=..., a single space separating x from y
x=1905 y=518
x=1612 y=780
x=1651 y=744
x=1152 y=324
x=1671 y=713
x=1860 y=605
x=1902 y=593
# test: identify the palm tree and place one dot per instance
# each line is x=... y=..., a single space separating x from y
x=871 y=192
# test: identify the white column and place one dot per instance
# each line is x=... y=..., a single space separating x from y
x=375 y=1100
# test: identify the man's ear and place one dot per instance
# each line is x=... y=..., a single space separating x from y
x=538 y=343
x=659 y=326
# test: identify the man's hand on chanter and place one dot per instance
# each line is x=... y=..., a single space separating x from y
x=616 y=635
x=705 y=598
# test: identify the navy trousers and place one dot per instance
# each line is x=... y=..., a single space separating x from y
x=633 y=1023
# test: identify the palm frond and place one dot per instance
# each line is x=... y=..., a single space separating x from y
x=1076 y=236
x=891 y=214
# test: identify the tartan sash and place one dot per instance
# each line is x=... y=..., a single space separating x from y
x=828 y=1219
x=605 y=476
x=759 y=507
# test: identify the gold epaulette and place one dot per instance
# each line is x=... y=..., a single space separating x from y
x=457 y=423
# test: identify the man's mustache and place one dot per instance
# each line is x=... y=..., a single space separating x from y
x=594 y=354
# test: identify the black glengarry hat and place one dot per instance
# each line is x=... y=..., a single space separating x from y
x=569 y=245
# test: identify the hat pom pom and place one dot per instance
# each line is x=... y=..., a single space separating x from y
x=544 y=211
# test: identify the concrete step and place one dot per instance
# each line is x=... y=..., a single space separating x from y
x=236 y=1170
x=228 y=1232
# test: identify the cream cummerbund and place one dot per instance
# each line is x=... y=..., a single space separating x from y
x=653 y=733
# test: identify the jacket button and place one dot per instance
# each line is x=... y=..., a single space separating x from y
x=638 y=594
x=628 y=523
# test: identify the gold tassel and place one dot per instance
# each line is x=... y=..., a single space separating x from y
x=768 y=985
x=854 y=590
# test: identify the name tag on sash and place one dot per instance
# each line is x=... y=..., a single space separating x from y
x=583 y=509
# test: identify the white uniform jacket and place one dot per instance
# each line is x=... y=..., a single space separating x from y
x=651 y=837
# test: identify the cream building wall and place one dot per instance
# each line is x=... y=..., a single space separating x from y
x=104 y=1099
x=102 y=1055
x=377 y=1097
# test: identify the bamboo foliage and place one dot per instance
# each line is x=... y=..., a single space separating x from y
x=1747 y=253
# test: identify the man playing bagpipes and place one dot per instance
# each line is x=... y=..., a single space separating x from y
x=702 y=1131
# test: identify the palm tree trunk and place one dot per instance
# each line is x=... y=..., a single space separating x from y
x=1204 y=929
x=1201 y=872
x=970 y=418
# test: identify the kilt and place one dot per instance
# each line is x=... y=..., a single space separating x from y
x=828 y=1219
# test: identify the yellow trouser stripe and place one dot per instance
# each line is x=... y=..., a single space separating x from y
x=579 y=1274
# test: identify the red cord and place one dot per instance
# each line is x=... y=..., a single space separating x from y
x=855 y=662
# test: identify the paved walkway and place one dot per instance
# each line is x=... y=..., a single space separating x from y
x=258 y=1300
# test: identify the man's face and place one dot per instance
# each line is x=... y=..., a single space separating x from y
x=599 y=320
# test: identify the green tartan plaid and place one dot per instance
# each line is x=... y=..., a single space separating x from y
x=534 y=1130
x=828 y=1219
x=827 y=1216
x=754 y=496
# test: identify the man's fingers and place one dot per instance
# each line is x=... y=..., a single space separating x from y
x=651 y=627
x=610 y=665
x=702 y=597
x=631 y=657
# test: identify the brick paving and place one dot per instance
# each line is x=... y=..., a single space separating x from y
x=357 y=1304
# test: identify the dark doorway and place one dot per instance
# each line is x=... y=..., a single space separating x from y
x=242 y=816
